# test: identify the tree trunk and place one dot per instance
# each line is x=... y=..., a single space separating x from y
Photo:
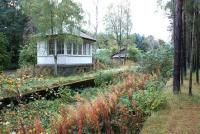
x=177 y=47
x=97 y=23
x=55 y=60
x=55 y=47
x=184 y=45
x=197 y=64
x=192 y=56
x=197 y=53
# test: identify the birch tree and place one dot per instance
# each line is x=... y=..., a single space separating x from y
x=49 y=16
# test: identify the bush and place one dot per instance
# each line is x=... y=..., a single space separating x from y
x=134 y=53
x=104 y=56
x=149 y=100
x=67 y=95
x=158 y=61
x=28 y=54
x=103 y=78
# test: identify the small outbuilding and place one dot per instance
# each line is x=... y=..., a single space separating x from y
x=71 y=55
x=121 y=54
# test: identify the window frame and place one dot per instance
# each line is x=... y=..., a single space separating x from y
x=50 y=50
x=80 y=49
x=84 y=49
x=69 y=44
x=75 y=49
x=62 y=46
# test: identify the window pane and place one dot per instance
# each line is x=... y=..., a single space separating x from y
x=75 y=49
x=60 y=46
x=88 y=49
x=84 y=49
x=69 y=48
x=79 y=49
x=51 y=47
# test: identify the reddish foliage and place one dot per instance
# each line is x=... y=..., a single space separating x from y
x=38 y=126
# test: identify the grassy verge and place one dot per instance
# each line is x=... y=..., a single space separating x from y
x=181 y=115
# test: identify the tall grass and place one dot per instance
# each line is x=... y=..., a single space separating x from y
x=99 y=115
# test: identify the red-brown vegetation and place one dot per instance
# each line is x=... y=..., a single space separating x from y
x=103 y=113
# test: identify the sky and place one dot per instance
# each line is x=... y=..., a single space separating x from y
x=147 y=18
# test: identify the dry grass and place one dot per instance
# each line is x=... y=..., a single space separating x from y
x=181 y=116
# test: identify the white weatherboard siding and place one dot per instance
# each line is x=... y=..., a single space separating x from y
x=44 y=59
x=65 y=60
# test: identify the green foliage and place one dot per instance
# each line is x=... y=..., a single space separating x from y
x=91 y=93
x=12 y=24
x=4 y=55
x=106 y=41
x=150 y=99
x=48 y=15
x=103 y=78
x=134 y=53
x=28 y=54
x=104 y=56
x=125 y=101
x=45 y=110
x=67 y=95
x=118 y=21
x=158 y=61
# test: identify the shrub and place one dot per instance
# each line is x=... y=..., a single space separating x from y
x=66 y=95
x=150 y=99
x=134 y=53
x=158 y=61
x=104 y=56
x=28 y=54
x=103 y=78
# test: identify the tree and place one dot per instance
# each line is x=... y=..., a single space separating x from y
x=28 y=54
x=4 y=55
x=12 y=24
x=97 y=21
x=192 y=55
x=118 y=21
x=51 y=16
x=186 y=40
x=134 y=53
x=177 y=47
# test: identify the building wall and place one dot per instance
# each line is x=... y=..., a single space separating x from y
x=44 y=59
x=64 y=60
